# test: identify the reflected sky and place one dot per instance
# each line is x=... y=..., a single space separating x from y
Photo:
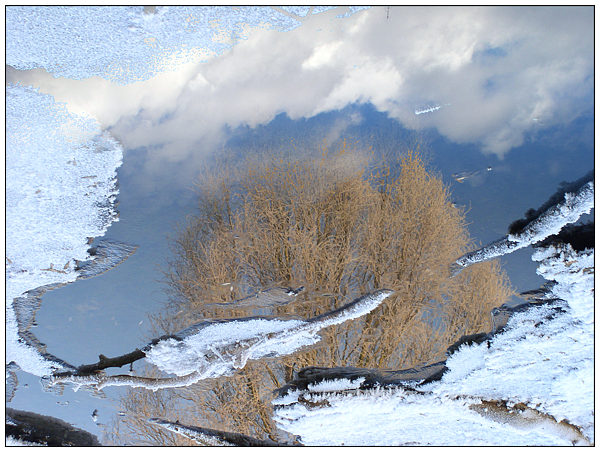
x=507 y=88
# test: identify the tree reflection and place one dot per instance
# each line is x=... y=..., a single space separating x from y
x=341 y=226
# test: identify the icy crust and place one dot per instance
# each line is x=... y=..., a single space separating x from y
x=574 y=276
x=61 y=170
x=213 y=349
x=543 y=360
x=336 y=385
x=106 y=255
x=385 y=417
x=544 y=363
x=127 y=43
x=547 y=224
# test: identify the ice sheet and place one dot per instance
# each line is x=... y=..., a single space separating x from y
x=53 y=204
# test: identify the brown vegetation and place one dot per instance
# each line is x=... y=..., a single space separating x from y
x=340 y=226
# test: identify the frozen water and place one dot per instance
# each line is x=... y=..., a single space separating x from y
x=125 y=44
x=51 y=204
x=106 y=254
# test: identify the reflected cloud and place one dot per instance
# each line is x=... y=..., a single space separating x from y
x=498 y=72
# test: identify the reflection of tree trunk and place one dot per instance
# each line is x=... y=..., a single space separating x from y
x=46 y=430
x=100 y=381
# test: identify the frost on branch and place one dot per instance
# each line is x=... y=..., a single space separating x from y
x=215 y=348
x=548 y=223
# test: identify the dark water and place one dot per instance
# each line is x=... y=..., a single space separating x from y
x=108 y=314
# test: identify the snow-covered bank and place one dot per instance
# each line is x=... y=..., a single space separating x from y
x=531 y=383
x=540 y=366
x=25 y=428
x=61 y=174
x=61 y=167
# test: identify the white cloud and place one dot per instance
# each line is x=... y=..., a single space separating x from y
x=322 y=55
x=499 y=72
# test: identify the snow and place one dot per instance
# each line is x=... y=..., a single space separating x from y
x=61 y=167
x=381 y=417
x=540 y=367
x=51 y=207
x=99 y=381
x=218 y=343
x=336 y=385
x=548 y=223
x=123 y=43
x=218 y=348
x=108 y=254
x=60 y=172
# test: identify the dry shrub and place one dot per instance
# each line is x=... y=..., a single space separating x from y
x=341 y=228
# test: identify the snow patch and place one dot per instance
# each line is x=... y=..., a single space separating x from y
x=124 y=44
x=16 y=442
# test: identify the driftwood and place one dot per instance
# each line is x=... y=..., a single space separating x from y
x=216 y=437
x=118 y=361
x=564 y=212
x=274 y=296
x=91 y=374
x=46 y=430
x=519 y=225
